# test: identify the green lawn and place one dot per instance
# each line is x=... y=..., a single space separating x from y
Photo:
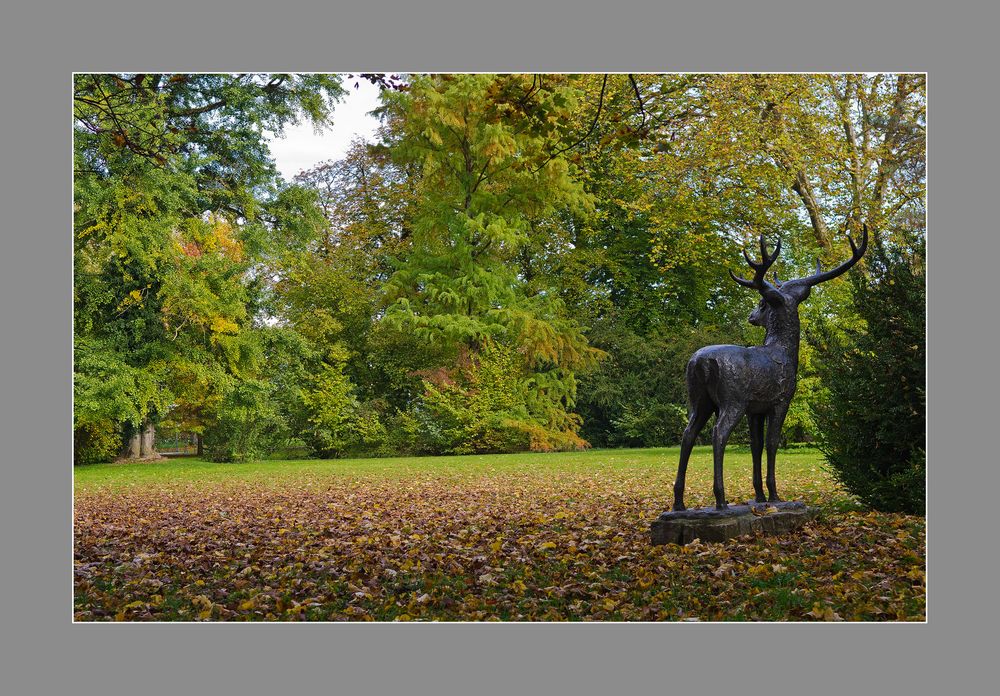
x=800 y=467
x=562 y=536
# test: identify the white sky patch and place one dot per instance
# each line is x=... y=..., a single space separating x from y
x=302 y=148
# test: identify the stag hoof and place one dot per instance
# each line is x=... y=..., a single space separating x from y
x=760 y=499
x=678 y=507
x=774 y=499
x=722 y=506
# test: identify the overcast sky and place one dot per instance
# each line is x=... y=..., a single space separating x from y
x=301 y=148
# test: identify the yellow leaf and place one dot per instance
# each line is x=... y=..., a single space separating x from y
x=202 y=602
x=249 y=604
x=223 y=325
x=722 y=570
x=825 y=613
x=547 y=545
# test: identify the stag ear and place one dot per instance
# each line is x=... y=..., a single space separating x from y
x=799 y=293
x=774 y=297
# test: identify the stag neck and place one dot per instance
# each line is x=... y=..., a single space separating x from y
x=784 y=336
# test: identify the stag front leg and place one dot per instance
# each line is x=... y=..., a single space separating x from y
x=756 y=450
x=724 y=424
x=774 y=422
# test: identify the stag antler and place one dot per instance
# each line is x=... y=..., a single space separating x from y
x=821 y=276
x=759 y=282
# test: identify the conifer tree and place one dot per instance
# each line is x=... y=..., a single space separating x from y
x=872 y=418
x=490 y=156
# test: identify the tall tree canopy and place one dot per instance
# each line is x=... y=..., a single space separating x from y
x=513 y=262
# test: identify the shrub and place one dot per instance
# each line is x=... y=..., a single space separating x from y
x=871 y=419
x=247 y=425
x=338 y=424
x=475 y=410
x=650 y=424
x=491 y=404
x=96 y=441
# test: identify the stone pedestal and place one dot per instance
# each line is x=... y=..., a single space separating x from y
x=709 y=524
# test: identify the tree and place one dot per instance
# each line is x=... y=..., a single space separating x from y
x=333 y=294
x=176 y=201
x=844 y=148
x=489 y=154
x=644 y=270
x=364 y=199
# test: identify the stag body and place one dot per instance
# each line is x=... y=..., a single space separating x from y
x=758 y=381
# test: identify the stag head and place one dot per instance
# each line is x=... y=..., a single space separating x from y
x=781 y=297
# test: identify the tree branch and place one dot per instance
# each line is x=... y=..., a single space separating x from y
x=638 y=98
x=593 y=125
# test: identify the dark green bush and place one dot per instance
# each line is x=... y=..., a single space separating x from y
x=94 y=442
x=871 y=420
x=637 y=397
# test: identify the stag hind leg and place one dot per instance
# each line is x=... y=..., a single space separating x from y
x=700 y=413
x=756 y=449
x=724 y=424
x=774 y=422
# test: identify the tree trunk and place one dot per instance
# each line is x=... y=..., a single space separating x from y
x=148 y=440
x=133 y=445
x=804 y=190
x=201 y=445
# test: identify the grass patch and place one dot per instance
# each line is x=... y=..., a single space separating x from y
x=803 y=466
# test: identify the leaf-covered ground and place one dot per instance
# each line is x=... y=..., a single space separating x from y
x=516 y=537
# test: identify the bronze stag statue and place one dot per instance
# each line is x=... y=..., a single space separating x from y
x=758 y=381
